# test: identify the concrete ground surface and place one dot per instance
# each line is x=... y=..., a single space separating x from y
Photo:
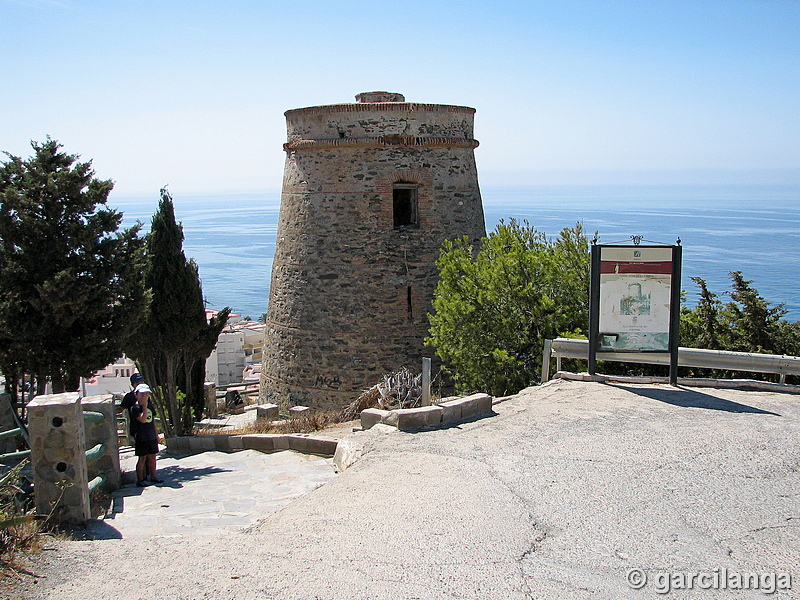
x=573 y=490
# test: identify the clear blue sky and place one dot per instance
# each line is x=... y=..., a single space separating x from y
x=192 y=93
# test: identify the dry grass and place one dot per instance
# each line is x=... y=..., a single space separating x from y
x=310 y=423
x=369 y=399
x=16 y=544
x=401 y=389
x=21 y=533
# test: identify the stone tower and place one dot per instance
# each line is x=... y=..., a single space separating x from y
x=370 y=192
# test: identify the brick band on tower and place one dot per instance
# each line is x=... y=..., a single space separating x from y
x=370 y=192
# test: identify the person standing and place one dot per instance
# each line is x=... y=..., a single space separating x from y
x=129 y=398
x=145 y=436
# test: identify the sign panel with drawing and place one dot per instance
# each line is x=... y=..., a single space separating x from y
x=635 y=296
x=634 y=301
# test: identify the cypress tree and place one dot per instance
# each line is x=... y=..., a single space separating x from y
x=174 y=336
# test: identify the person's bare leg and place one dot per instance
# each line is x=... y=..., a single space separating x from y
x=151 y=466
x=141 y=468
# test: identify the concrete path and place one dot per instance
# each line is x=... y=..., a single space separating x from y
x=573 y=490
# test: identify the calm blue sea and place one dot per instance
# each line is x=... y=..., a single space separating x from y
x=753 y=229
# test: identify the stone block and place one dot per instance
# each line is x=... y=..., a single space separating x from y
x=256 y=441
x=433 y=415
x=202 y=443
x=312 y=445
x=348 y=451
x=451 y=411
x=298 y=411
x=392 y=417
x=267 y=411
x=235 y=442
x=222 y=442
x=372 y=416
x=280 y=441
x=412 y=419
x=210 y=398
x=179 y=445
x=476 y=404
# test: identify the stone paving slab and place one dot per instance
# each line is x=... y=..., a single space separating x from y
x=210 y=492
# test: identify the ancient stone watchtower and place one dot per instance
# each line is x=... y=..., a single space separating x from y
x=370 y=192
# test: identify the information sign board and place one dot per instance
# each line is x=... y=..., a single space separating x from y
x=635 y=301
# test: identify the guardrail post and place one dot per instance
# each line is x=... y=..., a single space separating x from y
x=546 y=361
x=104 y=433
x=210 y=396
x=426 y=382
x=58 y=457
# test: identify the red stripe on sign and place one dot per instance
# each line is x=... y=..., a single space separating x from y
x=655 y=268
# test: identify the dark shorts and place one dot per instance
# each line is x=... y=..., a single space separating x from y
x=146 y=447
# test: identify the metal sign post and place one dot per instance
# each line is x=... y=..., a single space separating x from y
x=634 y=301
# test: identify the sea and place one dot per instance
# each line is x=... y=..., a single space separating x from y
x=754 y=229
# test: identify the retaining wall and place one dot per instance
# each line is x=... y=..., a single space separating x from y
x=442 y=414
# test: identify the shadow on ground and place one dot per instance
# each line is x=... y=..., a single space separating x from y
x=690 y=398
x=94 y=529
x=175 y=475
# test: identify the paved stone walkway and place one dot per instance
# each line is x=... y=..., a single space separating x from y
x=204 y=494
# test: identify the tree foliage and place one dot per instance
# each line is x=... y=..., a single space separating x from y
x=495 y=304
x=174 y=335
x=747 y=323
x=497 y=301
x=702 y=324
x=70 y=279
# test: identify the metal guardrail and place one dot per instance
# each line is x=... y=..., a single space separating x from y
x=10 y=433
x=13 y=455
x=20 y=429
x=687 y=357
x=97 y=482
x=93 y=417
x=95 y=451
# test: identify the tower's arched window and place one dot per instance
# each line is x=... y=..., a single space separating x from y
x=405 y=205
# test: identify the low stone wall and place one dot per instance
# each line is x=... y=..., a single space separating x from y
x=442 y=414
x=264 y=442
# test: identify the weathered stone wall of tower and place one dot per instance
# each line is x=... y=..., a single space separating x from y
x=350 y=292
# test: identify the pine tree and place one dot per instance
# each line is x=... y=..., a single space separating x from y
x=701 y=327
x=754 y=323
x=70 y=280
x=174 y=335
x=495 y=305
